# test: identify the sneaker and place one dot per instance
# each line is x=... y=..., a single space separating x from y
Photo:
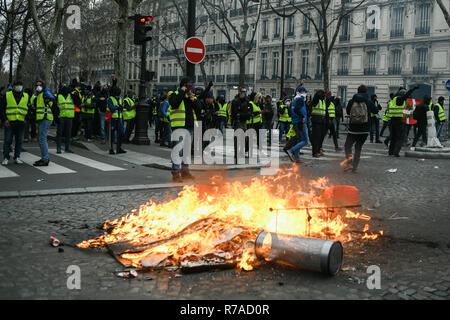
x=290 y=154
x=378 y=141
x=386 y=143
x=41 y=163
x=111 y=151
x=176 y=177
x=121 y=151
x=316 y=155
x=58 y=151
x=18 y=161
x=89 y=140
x=187 y=175
x=69 y=151
x=5 y=162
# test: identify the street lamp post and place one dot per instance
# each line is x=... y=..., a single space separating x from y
x=284 y=16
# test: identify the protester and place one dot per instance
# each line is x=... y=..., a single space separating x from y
x=375 y=121
x=318 y=124
x=88 y=112
x=66 y=114
x=115 y=106
x=359 y=109
x=129 y=115
x=420 y=114
x=439 y=116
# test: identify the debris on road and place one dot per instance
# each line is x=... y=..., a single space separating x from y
x=392 y=170
x=54 y=242
x=130 y=274
x=420 y=160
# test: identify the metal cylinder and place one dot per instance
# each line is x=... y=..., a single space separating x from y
x=304 y=253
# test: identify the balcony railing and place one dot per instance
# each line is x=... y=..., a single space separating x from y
x=217 y=47
x=220 y=78
x=344 y=37
x=168 y=79
x=290 y=33
x=372 y=35
x=420 y=70
x=318 y=76
x=370 y=71
x=395 y=70
x=342 y=72
x=424 y=30
x=276 y=35
x=233 y=78
x=199 y=79
x=236 y=12
x=211 y=78
x=397 y=33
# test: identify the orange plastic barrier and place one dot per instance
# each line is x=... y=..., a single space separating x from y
x=341 y=196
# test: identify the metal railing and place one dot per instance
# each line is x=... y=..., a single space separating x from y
x=372 y=35
x=168 y=79
x=342 y=72
x=397 y=33
x=344 y=37
x=370 y=71
x=424 y=30
x=420 y=70
x=395 y=70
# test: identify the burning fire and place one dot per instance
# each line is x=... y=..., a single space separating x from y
x=220 y=222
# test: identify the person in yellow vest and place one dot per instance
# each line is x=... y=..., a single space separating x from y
x=129 y=115
x=13 y=110
x=395 y=113
x=183 y=116
x=329 y=118
x=77 y=100
x=255 y=120
x=284 y=119
x=66 y=114
x=88 y=112
x=318 y=114
x=43 y=100
x=115 y=105
x=439 y=116
x=385 y=117
x=221 y=112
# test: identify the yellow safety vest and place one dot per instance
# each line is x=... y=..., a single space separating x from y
x=66 y=107
x=319 y=109
x=16 y=111
x=222 y=110
x=178 y=116
x=441 y=113
x=116 y=114
x=129 y=114
x=88 y=101
x=284 y=117
x=41 y=108
x=258 y=117
x=331 y=110
x=396 y=111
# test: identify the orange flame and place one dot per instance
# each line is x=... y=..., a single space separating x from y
x=221 y=222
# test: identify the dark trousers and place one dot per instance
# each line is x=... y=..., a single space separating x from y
x=117 y=128
x=333 y=133
x=374 y=129
x=166 y=132
x=158 y=129
x=408 y=129
x=317 y=135
x=76 y=124
x=397 y=129
x=15 y=130
x=88 y=123
x=64 y=127
x=130 y=124
x=385 y=125
x=30 y=129
x=421 y=132
x=338 y=122
x=357 y=140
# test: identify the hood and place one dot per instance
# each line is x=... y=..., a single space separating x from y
x=361 y=97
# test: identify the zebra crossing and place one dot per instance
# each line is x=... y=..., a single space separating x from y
x=54 y=167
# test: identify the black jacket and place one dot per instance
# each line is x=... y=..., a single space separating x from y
x=371 y=108
x=240 y=109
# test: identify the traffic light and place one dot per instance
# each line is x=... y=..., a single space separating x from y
x=141 y=29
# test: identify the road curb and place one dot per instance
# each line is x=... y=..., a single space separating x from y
x=69 y=191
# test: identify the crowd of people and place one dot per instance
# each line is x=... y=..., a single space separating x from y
x=81 y=111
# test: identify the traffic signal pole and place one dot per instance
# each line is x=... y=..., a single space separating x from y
x=190 y=67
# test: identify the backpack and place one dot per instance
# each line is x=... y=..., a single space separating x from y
x=358 y=113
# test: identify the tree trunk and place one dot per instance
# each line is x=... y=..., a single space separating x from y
x=203 y=71
x=23 y=49
x=326 y=71
x=49 y=54
x=241 y=72
x=444 y=11
x=120 y=52
x=3 y=45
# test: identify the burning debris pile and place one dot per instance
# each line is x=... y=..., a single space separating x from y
x=219 y=224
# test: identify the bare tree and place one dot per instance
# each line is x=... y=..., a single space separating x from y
x=327 y=21
x=444 y=11
x=218 y=12
x=51 y=42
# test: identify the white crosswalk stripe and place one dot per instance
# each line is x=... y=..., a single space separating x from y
x=6 y=173
x=52 y=167
x=86 y=161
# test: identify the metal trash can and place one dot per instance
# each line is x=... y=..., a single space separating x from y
x=304 y=253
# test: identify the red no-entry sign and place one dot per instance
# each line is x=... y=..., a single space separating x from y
x=194 y=50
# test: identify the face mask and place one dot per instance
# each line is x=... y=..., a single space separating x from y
x=38 y=88
x=242 y=95
x=18 y=88
x=303 y=95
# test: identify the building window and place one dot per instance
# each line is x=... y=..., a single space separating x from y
x=251 y=66
x=265 y=29
x=263 y=65
x=232 y=67
x=343 y=64
x=396 y=62
x=345 y=29
x=163 y=70
x=397 y=22
x=211 y=69
x=342 y=92
x=371 y=63
x=423 y=19
x=170 y=70
x=305 y=63
x=275 y=65
x=291 y=22
x=306 y=25
x=277 y=28
x=422 y=61
x=289 y=60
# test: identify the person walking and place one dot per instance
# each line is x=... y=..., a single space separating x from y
x=299 y=121
x=13 y=110
x=115 y=106
x=339 y=115
x=395 y=113
x=439 y=116
x=359 y=109
x=284 y=119
x=330 y=116
x=66 y=114
x=183 y=115
x=375 y=121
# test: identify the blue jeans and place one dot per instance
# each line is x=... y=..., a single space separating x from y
x=101 y=115
x=64 y=127
x=184 y=166
x=284 y=129
x=16 y=129
x=43 y=127
x=439 y=127
x=301 y=133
